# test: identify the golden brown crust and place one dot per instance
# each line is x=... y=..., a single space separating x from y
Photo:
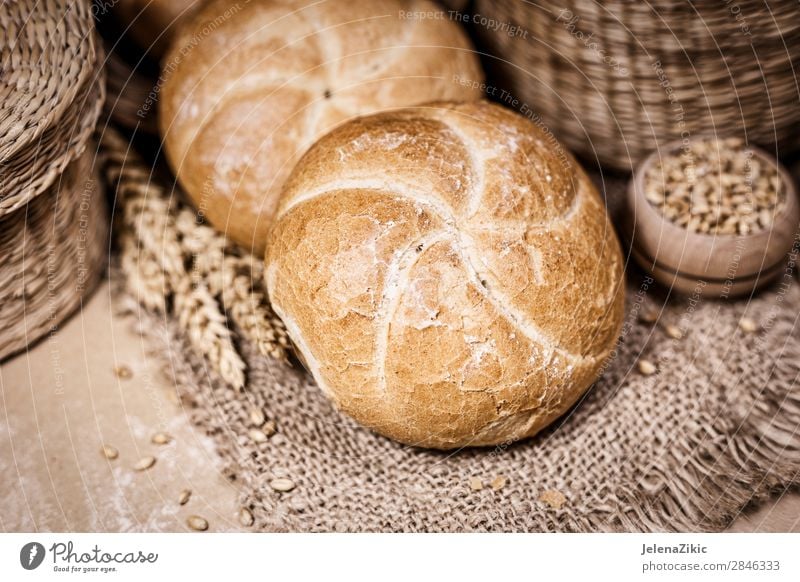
x=449 y=274
x=248 y=88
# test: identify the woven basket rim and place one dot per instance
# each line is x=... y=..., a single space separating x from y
x=45 y=65
x=40 y=137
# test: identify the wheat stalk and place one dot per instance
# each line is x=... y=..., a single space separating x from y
x=249 y=309
x=236 y=278
x=170 y=260
x=143 y=274
x=199 y=315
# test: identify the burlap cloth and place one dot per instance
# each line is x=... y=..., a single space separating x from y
x=685 y=449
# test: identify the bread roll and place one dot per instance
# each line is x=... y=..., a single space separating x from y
x=448 y=274
x=251 y=91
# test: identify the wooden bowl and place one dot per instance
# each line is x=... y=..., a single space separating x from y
x=697 y=263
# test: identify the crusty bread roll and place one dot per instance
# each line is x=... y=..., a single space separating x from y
x=448 y=274
x=250 y=92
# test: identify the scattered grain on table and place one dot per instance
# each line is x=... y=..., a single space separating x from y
x=246 y=517
x=197 y=523
x=144 y=463
x=123 y=372
x=161 y=438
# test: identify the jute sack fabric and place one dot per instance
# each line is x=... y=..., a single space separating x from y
x=683 y=449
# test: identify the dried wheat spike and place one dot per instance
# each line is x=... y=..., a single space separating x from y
x=237 y=281
x=242 y=296
x=166 y=253
x=144 y=276
x=200 y=317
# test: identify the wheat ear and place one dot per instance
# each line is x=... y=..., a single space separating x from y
x=199 y=315
x=155 y=263
x=237 y=279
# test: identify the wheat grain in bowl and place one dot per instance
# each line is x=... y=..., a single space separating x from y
x=711 y=216
x=716 y=186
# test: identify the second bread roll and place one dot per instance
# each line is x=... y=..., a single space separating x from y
x=250 y=86
x=448 y=274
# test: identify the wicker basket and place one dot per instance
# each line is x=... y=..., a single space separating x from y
x=50 y=93
x=52 y=210
x=53 y=253
x=613 y=79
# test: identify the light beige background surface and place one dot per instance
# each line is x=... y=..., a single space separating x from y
x=61 y=401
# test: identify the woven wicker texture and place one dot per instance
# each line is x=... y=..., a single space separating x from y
x=44 y=46
x=613 y=79
x=52 y=212
x=51 y=93
x=53 y=253
x=684 y=449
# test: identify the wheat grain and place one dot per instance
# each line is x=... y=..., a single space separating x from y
x=747 y=325
x=246 y=517
x=553 y=498
x=199 y=316
x=160 y=438
x=257 y=436
x=197 y=523
x=123 y=372
x=184 y=496
x=648 y=315
x=498 y=482
x=269 y=428
x=144 y=463
x=257 y=417
x=282 y=485
x=646 y=367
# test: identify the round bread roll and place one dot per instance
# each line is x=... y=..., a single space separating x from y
x=448 y=274
x=245 y=95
